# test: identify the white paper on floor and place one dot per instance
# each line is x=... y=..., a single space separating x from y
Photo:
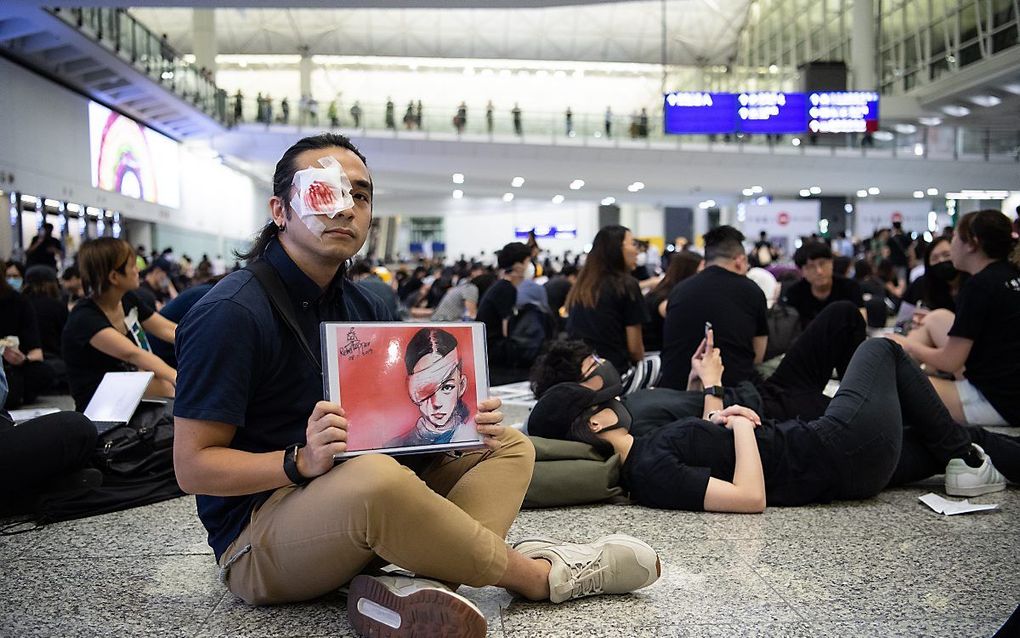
x=949 y=508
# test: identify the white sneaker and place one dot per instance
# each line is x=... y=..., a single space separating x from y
x=964 y=480
x=398 y=606
x=615 y=564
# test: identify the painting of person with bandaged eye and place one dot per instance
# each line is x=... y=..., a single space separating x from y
x=436 y=384
x=407 y=387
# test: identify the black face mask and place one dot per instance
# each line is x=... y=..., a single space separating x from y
x=943 y=271
x=612 y=384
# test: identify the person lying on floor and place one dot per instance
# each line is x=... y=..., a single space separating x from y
x=795 y=390
x=884 y=427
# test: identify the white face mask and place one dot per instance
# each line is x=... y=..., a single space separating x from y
x=529 y=270
x=642 y=259
x=321 y=191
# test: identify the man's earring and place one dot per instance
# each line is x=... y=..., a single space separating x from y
x=281 y=228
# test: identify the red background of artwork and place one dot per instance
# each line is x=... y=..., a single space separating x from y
x=373 y=387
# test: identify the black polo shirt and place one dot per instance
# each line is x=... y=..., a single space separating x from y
x=808 y=306
x=239 y=364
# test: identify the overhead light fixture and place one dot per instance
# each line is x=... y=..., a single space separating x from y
x=52 y=203
x=757 y=189
x=1013 y=88
x=508 y=197
x=815 y=190
x=557 y=199
x=906 y=129
x=884 y=136
x=918 y=194
x=933 y=191
x=577 y=184
x=986 y=100
x=458 y=194
x=848 y=208
x=955 y=110
x=930 y=121
x=873 y=190
x=458 y=178
x=978 y=194
x=795 y=141
x=919 y=149
x=747 y=192
x=608 y=201
x=636 y=186
x=862 y=193
x=805 y=192
x=517 y=182
x=73 y=208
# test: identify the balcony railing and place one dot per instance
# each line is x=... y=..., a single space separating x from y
x=942 y=142
x=133 y=42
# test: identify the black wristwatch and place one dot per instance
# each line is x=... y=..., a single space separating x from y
x=290 y=465
x=714 y=391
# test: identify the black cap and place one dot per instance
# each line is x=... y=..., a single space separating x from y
x=562 y=404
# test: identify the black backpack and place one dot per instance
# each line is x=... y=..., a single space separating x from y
x=529 y=328
x=137 y=462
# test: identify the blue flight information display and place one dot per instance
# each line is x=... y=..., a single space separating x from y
x=694 y=112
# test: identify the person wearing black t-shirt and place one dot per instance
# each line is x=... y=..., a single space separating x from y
x=106 y=330
x=682 y=266
x=27 y=372
x=981 y=346
x=557 y=290
x=722 y=295
x=819 y=287
x=936 y=288
x=45 y=249
x=605 y=308
x=497 y=306
x=884 y=427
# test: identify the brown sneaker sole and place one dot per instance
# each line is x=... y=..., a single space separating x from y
x=376 y=611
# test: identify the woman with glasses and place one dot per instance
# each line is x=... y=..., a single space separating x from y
x=106 y=330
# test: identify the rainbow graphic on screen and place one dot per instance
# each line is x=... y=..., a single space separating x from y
x=131 y=159
x=125 y=163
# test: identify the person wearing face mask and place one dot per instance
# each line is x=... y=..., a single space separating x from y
x=27 y=374
x=884 y=427
x=605 y=308
x=936 y=289
x=979 y=344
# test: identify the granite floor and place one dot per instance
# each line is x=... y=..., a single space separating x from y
x=888 y=566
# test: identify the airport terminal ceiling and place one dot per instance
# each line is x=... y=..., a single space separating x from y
x=699 y=32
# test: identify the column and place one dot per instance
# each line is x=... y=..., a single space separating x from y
x=863 y=47
x=203 y=27
x=305 y=69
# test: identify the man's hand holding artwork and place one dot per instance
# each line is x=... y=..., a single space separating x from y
x=490 y=422
x=325 y=437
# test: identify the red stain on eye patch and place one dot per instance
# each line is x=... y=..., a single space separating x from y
x=320 y=197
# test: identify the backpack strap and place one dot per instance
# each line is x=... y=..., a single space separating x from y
x=281 y=303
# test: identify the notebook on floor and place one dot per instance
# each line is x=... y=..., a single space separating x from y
x=117 y=398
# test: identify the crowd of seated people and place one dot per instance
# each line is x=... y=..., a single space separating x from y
x=719 y=430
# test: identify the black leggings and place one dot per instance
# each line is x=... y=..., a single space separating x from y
x=830 y=340
x=41 y=450
x=886 y=425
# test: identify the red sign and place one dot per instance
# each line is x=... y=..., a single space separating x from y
x=783 y=218
x=897 y=216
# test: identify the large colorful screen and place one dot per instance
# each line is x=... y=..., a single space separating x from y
x=133 y=160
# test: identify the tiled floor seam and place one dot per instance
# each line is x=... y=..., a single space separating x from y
x=202 y=626
x=775 y=591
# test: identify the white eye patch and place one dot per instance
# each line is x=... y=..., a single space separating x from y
x=321 y=191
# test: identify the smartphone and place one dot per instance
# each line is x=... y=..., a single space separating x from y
x=708 y=326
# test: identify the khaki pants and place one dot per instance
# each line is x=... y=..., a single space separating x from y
x=448 y=521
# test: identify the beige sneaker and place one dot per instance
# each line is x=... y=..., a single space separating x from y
x=399 y=606
x=616 y=564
